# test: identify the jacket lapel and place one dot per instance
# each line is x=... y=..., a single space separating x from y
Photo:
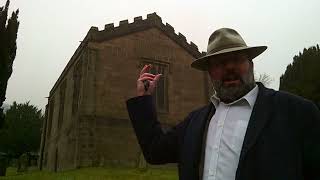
x=193 y=144
x=261 y=113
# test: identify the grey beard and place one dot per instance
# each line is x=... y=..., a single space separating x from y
x=228 y=94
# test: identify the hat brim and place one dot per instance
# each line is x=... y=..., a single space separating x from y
x=252 y=52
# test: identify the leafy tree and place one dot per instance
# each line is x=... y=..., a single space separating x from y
x=8 y=36
x=302 y=76
x=21 y=131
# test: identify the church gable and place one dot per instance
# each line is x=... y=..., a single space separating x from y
x=94 y=128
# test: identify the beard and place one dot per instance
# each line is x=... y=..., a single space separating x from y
x=231 y=93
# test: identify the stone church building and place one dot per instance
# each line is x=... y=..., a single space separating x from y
x=87 y=123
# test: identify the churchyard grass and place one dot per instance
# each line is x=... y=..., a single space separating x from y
x=98 y=173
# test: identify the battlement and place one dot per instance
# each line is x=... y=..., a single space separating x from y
x=94 y=28
x=154 y=18
x=139 y=24
x=124 y=23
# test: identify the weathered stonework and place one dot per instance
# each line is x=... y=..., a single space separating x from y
x=94 y=128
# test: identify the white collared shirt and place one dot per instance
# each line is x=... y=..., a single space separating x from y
x=225 y=136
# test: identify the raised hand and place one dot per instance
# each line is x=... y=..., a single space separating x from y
x=142 y=81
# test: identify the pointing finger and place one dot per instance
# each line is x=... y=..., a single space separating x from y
x=145 y=69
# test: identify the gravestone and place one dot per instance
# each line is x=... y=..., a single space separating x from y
x=23 y=163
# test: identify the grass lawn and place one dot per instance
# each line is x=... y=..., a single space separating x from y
x=97 y=173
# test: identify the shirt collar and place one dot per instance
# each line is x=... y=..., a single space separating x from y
x=250 y=97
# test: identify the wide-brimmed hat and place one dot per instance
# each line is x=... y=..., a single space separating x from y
x=223 y=41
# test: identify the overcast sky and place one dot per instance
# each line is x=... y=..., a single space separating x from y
x=50 y=32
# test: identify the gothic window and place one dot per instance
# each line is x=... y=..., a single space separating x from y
x=62 y=100
x=51 y=109
x=160 y=95
x=76 y=87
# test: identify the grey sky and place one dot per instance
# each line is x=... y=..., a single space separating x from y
x=50 y=32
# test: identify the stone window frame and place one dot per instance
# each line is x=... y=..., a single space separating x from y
x=62 y=98
x=165 y=69
x=77 y=78
x=50 y=117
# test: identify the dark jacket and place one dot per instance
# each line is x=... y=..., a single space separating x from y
x=282 y=141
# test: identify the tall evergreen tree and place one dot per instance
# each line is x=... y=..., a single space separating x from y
x=302 y=76
x=8 y=36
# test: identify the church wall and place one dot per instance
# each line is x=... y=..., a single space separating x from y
x=106 y=135
x=94 y=128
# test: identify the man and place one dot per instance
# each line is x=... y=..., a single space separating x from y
x=247 y=132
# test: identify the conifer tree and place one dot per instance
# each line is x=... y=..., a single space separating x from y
x=8 y=46
x=302 y=76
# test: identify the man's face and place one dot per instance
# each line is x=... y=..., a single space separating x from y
x=231 y=75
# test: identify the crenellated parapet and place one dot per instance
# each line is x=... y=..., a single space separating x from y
x=140 y=24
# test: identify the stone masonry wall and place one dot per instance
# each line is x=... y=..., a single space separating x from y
x=60 y=152
x=105 y=131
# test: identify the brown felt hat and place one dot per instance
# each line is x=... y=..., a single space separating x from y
x=223 y=41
